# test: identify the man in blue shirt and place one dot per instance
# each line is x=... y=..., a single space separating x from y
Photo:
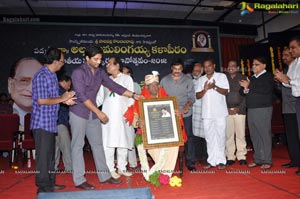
x=63 y=141
x=43 y=123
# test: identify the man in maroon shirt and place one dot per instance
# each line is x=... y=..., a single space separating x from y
x=85 y=117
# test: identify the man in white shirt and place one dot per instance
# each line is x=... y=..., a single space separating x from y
x=292 y=79
x=212 y=90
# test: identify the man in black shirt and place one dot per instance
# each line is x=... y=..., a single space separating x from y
x=235 y=128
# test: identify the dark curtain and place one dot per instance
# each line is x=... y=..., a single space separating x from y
x=230 y=48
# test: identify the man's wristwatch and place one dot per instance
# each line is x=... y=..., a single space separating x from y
x=215 y=88
x=132 y=96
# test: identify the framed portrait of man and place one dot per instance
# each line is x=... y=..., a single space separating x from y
x=161 y=124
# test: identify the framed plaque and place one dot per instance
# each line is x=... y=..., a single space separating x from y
x=161 y=125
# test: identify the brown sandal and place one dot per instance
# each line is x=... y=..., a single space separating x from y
x=207 y=167
x=252 y=165
x=221 y=166
x=266 y=166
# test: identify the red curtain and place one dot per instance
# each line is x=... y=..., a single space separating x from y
x=230 y=48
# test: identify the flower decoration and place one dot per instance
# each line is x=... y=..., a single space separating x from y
x=138 y=140
x=164 y=179
x=175 y=181
x=154 y=178
x=138 y=131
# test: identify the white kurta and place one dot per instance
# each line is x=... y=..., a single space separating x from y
x=214 y=112
x=214 y=103
x=197 y=115
x=114 y=106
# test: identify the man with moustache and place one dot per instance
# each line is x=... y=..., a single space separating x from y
x=197 y=106
x=236 y=120
x=43 y=122
x=198 y=131
x=180 y=85
x=212 y=89
x=292 y=80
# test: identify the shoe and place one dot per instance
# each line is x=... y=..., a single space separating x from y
x=191 y=167
x=298 y=172
x=85 y=186
x=113 y=181
x=230 y=162
x=202 y=162
x=242 y=162
x=266 y=166
x=57 y=187
x=134 y=168
x=40 y=190
x=124 y=173
x=114 y=174
x=288 y=165
x=221 y=166
x=208 y=166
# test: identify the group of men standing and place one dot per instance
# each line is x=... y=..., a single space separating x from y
x=218 y=100
x=85 y=117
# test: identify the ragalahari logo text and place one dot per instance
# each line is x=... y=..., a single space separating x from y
x=271 y=8
x=246 y=8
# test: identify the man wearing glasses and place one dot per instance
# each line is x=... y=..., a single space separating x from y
x=43 y=122
x=20 y=86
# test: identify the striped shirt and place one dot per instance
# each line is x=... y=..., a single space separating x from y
x=44 y=86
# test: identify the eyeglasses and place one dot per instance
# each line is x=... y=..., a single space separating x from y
x=24 y=81
x=112 y=63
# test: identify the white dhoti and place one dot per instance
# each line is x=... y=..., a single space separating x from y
x=164 y=158
x=215 y=136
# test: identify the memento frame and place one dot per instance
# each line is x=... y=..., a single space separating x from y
x=160 y=130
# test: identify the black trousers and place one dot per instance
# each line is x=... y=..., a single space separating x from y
x=189 y=146
x=292 y=135
x=201 y=149
x=45 y=159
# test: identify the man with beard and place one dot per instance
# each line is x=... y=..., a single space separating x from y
x=236 y=120
x=180 y=85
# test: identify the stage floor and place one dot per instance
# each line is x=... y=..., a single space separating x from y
x=234 y=182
